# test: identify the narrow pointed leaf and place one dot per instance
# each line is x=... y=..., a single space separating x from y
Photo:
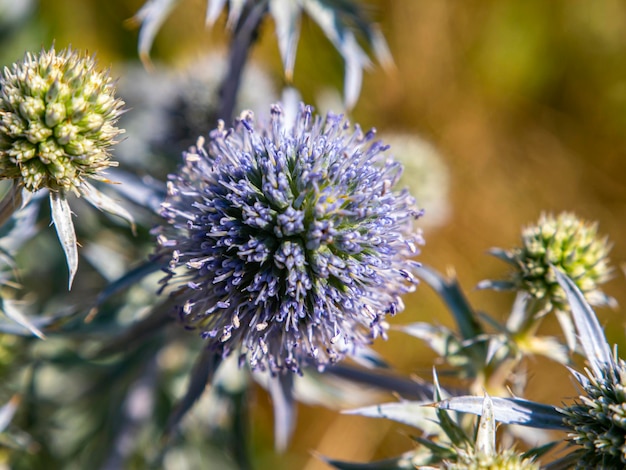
x=127 y=280
x=12 y=311
x=367 y=357
x=439 y=338
x=451 y=294
x=454 y=432
x=235 y=9
x=503 y=255
x=510 y=411
x=107 y=204
x=327 y=18
x=567 y=327
x=590 y=333
x=411 y=413
x=286 y=14
x=151 y=17
x=8 y=411
x=381 y=48
x=486 y=435
x=62 y=218
x=213 y=10
x=383 y=380
x=281 y=390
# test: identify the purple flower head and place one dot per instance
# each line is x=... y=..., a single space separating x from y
x=287 y=244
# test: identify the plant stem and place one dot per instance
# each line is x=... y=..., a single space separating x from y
x=244 y=36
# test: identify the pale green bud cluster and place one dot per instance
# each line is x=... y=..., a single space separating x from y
x=569 y=244
x=598 y=421
x=57 y=119
x=505 y=460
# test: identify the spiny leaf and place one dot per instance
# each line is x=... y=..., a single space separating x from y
x=281 y=390
x=8 y=411
x=450 y=292
x=486 y=435
x=213 y=10
x=510 y=411
x=62 y=218
x=105 y=203
x=590 y=333
x=151 y=17
x=10 y=309
x=410 y=413
x=286 y=14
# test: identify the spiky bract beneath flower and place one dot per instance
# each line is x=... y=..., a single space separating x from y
x=598 y=421
x=287 y=243
x=505 y=460
x=569 y=244
x=57 y=116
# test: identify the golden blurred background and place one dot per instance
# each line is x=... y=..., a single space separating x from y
x=525 y=101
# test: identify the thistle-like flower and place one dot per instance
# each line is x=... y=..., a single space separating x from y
x=597 y=422
x=287 y=243
x=57 y=120
x=569 y=244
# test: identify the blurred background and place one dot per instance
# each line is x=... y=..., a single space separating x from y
x=523 y=101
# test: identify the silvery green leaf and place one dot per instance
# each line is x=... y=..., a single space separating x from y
x=328 y=19
x=486 y=434
x=496 y=343
x=411 y=413
x=368 y=358
x=383 y=380
x=280 y=388
x=213 y=10
x=146 y=192
x=503 y=255
x=455 y=433
x=105 y=203
x=510 y=411
x=235 y=8
x=286 y=14
x=582 y=380
x=7 y=411
x=62 y=218
x=519 y=312
x=547 y=346
x=567 y=327
x=127 y=280
x=151 y=17
x=590 y=333
x=11 y=310
x=439 y=338
x=451 y=294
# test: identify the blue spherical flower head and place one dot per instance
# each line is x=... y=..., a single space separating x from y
x=287 y=244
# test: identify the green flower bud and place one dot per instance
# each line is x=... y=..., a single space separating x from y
x=569 y=244
x=57 y=120
x=505 y=460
